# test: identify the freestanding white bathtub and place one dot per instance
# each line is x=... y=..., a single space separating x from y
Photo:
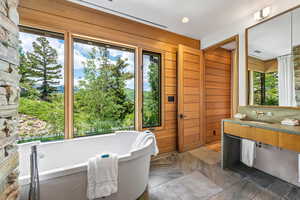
x=63 y=166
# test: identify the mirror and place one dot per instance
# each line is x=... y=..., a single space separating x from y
x=272 y=61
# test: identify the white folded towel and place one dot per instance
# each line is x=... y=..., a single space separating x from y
x=290 y=122
x=248 y=152
x=240 y=116
x=102 y=176
x=142 y=139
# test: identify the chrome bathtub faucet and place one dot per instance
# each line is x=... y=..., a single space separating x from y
x=34 y=190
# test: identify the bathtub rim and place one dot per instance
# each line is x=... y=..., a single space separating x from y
x=68 y=170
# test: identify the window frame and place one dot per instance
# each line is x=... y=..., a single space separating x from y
x=162 y=89
x=68 y=37
x=96 y=41
x=149 y=53
x=263 y=90
x=57 y=34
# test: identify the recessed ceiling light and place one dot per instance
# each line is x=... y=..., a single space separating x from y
x=185 y=20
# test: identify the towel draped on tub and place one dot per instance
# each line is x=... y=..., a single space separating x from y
x=102 y=176
x=102 y=170
x=142 y=139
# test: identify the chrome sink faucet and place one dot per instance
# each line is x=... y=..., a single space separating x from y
x=259 y=114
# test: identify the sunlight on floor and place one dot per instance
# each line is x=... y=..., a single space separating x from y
x=215 y=146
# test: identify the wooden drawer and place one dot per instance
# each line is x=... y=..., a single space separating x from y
x=265 y=136
x=289 y=141
x=243 y=131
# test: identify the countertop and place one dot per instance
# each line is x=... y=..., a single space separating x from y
x=271 y=126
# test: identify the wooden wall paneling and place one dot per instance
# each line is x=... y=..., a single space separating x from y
x=66 y=9
x=271 y=65
x=264 y=66
x=218 y=91
x=45 y=21
x=167 y=138
x=69 y=18
x=255 y=64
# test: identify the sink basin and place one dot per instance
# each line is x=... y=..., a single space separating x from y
x=259 y=122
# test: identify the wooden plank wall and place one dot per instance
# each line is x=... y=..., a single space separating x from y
x=255 y=64
x=271 y=65
x=67 y=17
x=217 y=91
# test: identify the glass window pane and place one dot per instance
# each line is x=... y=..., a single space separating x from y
x=265 y=88
x=257 y=88
x=151 y=89
x=104 y=88
x=271 y=84
x=42 y=86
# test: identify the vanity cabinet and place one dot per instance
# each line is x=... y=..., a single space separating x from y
x=243 y=131
x=258 y=134
x=289 y=141
x=266 y=136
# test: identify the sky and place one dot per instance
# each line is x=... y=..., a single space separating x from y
x=26 y=44
x=81 y=55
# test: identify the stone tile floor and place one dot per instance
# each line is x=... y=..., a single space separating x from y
x=197 y=175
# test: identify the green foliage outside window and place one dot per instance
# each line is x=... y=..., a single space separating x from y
x=151 y=90
x=272 y=89
x=41 y=104
x=103 y=101
x=267 y=86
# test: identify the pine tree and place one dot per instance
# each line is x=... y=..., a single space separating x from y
x=47 y=71
x=25 y=69
x=26 y=81
x=102 y=93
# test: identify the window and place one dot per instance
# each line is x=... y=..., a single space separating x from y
x=42 y=85
x=104 y=82
x=265 y=88
x=151 y=108
x=104 y=88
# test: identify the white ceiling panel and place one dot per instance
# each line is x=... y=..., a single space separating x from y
x=206 y=16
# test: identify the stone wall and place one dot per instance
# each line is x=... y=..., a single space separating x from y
x=9 y=97
x=278 y=113
x=297 y=72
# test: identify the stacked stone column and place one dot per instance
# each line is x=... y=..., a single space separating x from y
x=9 y=98
x=297 y=72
